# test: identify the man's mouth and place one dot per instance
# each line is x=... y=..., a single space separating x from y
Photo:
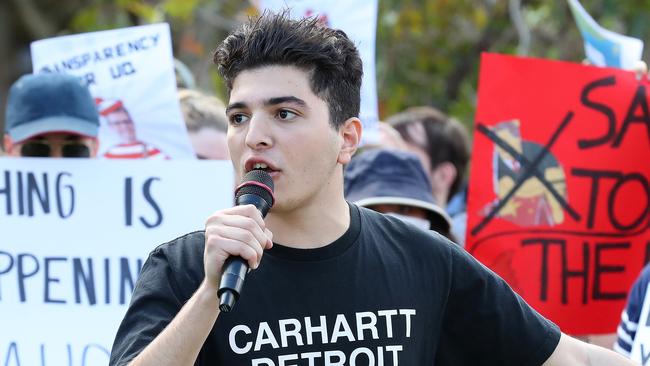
x=261 y=166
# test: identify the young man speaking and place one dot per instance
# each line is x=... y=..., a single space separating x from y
x=332 y=283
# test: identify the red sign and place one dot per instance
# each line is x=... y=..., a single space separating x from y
x=559 y=198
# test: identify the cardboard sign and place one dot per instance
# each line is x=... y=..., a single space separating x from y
x=358 y=19
x=74 y=234
x=559 y=198
x=130 y=72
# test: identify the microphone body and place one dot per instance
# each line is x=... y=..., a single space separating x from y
x=257 y=190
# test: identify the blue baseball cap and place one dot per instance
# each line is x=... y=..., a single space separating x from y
x=385 y=176
x=47 y=103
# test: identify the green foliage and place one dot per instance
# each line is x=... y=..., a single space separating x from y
x=428 y=51
x=181 y=9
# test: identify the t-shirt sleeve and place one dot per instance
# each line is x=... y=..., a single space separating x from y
x=154 y=303
x=626 y=331
x=487 y=323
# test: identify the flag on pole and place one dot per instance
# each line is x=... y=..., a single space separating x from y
x=604 y=47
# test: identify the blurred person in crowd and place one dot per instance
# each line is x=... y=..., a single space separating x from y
x=389 y=138
x=332 y=282
x=119 y=121
x=50 y=115
x=395 y=183
x=205 y=119
x=443 y=145
x=631 y=316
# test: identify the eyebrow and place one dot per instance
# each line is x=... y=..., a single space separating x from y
x=288 y=99
x=270 y=102
x=237 y=105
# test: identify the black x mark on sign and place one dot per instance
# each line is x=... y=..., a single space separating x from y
x=529 y=170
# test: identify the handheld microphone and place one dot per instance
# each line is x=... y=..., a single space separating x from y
x=256 y=189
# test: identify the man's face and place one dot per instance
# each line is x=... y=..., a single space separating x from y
x=418 y=215
x=54 y=145
x=120 y=121
x=277 y=120
x=208 y=143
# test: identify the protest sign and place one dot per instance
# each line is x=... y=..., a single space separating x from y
x=358 y=19
x=130 y=72
x=75 y=233
x=604 y=47
x=559 y=197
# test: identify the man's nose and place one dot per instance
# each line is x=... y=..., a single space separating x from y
x=259 y=133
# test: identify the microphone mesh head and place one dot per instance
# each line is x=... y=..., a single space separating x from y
x=257 y=182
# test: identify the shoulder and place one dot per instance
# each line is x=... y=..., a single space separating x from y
x=644 y=277
x=638 y=293
x=186 y=246
x=392 y=233
x=181 y=257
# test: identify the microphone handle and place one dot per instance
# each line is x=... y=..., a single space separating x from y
x=235 y=268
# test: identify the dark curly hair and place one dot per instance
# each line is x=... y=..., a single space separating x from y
x=328 y=55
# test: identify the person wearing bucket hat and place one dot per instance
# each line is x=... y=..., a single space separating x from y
x=394 y=182
x=443 y=146
x=50 y=115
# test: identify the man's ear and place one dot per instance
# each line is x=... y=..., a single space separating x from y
x=94 y=147
x=444 y=174
x=350 y=133
x=8 y=144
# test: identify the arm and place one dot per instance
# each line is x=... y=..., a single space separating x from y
x=571 y=351
x=238 y=231
x=181 y=341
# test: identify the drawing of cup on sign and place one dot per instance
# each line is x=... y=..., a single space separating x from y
x=119 y=120
x=541 y=179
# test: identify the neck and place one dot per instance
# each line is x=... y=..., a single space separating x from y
x=311 y=226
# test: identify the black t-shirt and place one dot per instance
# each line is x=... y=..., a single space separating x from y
x=385 y=293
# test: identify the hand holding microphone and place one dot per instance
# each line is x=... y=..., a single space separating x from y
x=236 y=237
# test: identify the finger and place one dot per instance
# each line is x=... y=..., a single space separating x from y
x=246 y=210
x=239 y=249
x=241 y=235
x=239 y=222
x=269 y=242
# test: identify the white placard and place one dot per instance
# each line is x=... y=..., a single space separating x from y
x=73 y=235
x=358 y=19
x=132 y=66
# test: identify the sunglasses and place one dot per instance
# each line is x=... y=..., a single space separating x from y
x=43 y=150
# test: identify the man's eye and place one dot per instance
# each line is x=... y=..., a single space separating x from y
x=286 y=115
x=237 y=119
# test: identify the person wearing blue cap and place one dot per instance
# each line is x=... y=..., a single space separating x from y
x=394 y=182
x=51 y=115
